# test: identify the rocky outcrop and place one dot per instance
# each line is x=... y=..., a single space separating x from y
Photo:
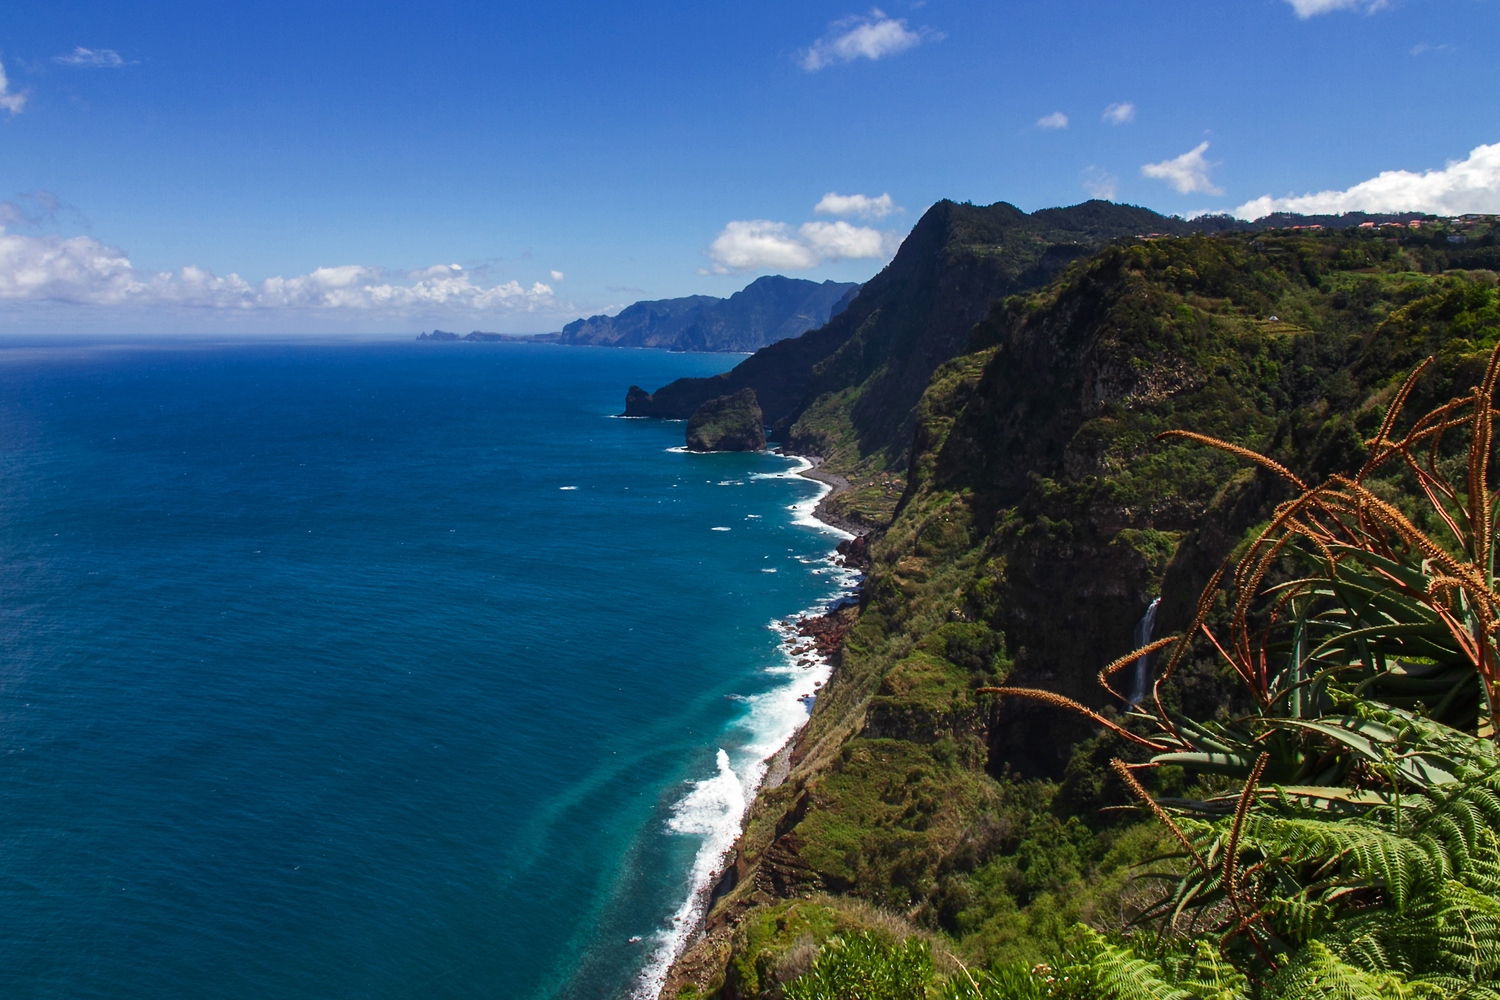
x=856 y=551
x=728 y=423
x=827 y=631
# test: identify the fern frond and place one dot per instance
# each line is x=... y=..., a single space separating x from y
x=1316 y=973
x=1116 y=973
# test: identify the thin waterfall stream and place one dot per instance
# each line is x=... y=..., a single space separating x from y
x=1143 y=630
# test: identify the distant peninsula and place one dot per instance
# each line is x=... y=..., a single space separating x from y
x=767 y=310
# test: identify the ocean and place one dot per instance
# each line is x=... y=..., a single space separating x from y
x=376 y=669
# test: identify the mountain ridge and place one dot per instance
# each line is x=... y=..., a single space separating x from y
x=908 y=319
x=769 y=309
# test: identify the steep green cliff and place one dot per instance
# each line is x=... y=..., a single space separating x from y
x=1040 y=518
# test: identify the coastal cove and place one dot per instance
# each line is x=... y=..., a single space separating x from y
x=374 y=669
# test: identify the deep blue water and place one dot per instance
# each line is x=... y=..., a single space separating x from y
x=315 y=681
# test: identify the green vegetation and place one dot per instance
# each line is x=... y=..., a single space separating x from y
x=1043 y=511
x=862 y=966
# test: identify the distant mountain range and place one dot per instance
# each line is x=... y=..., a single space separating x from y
x=767 y=310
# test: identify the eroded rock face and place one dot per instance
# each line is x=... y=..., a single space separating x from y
x=728 y=423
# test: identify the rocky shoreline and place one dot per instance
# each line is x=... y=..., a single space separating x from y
x=821 y=636
x=826 y=633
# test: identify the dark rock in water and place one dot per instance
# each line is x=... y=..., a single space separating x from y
x=637 y=400
x=439 y=335
x=856 y=551
x=728 y=423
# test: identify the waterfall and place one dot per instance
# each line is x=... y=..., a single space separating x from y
x=1143 y=630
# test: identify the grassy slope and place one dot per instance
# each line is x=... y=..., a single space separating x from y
x=1040 y=519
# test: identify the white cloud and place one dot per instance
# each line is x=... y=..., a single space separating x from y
x=557 y=275
x=1186 y=173
x=10 y=101
x=874 y=36
x=842 y=241
x=83 y=271
x=92 y=59
x=1122 y=113
x=1312 y=8
x=763 y=245
x=1055 y=120
x=759 y=243
x=1100 y=184
x=1468 y=185
x=861 y=205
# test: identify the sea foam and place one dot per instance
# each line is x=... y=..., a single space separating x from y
x=714 y=807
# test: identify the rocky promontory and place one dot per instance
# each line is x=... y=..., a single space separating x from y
x=728 y=423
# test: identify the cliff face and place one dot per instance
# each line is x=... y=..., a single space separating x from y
x=729 y=423
x=1040 y=519
x=1042 y=443
x=765 y=311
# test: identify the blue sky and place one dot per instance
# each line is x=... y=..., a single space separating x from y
x=340 y=166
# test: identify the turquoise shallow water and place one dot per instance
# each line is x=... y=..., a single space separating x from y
x=373 y=670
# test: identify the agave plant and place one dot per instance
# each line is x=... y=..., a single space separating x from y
x=1362 y=622
x=1403 y=878
x=1407 y=614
